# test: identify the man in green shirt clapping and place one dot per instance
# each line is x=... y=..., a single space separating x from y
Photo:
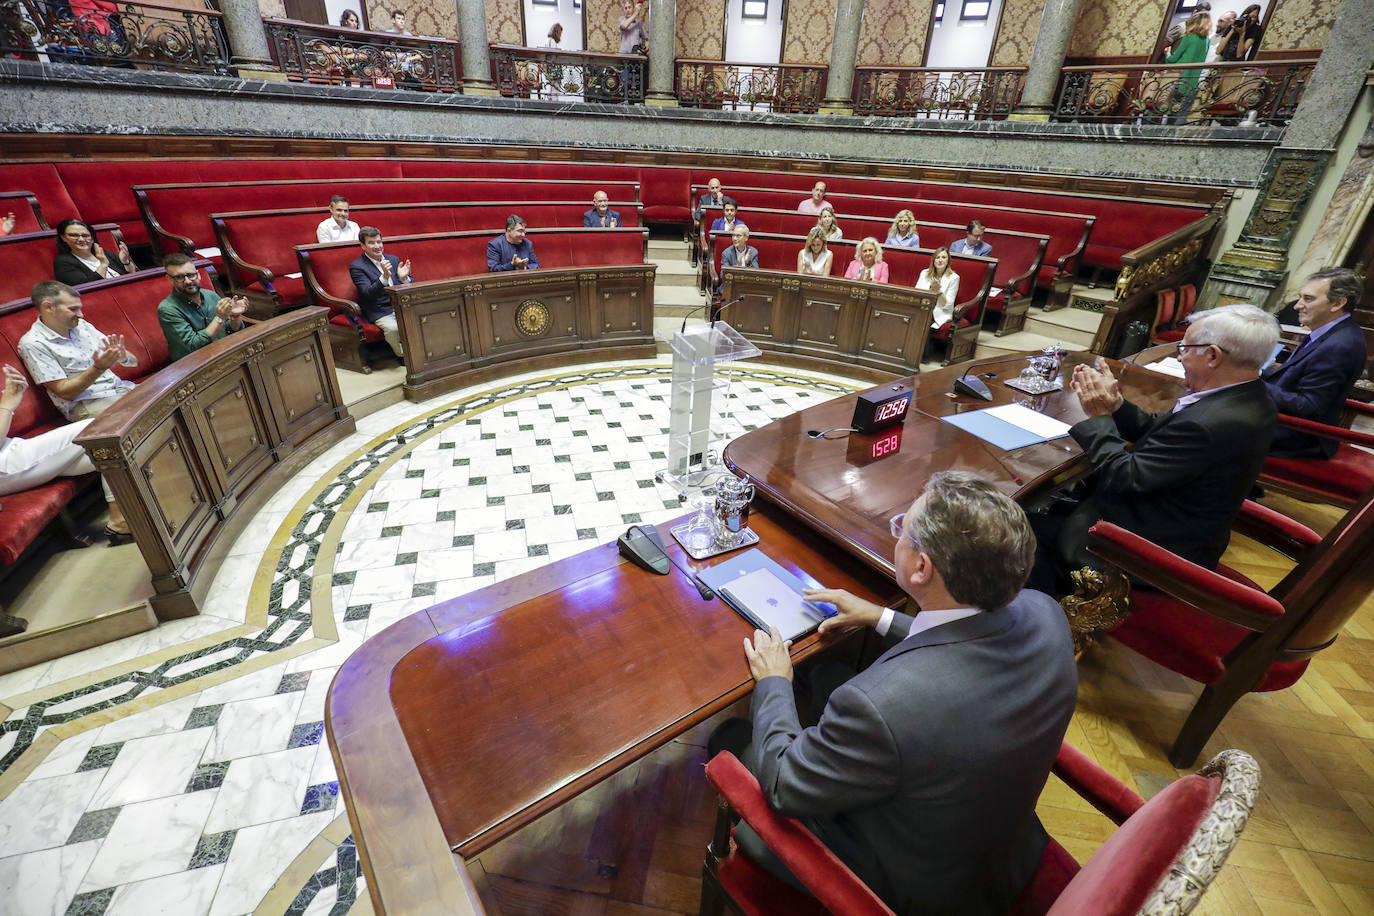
x=191 y=317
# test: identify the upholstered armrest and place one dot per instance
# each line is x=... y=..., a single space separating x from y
x=1359 y=407
x=1339 y=433
x=1275 y=530
x=829 y=879
x=1208 y=591
x=1099 y=788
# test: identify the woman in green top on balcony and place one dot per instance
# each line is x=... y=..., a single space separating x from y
x=1191 y=49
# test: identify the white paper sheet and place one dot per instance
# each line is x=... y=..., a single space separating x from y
x=1030 y=420
x=1169 y=365
x=208 y=252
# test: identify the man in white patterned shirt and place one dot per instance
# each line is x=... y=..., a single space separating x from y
x=69 y=357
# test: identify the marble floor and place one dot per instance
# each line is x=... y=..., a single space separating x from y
x=184 y=770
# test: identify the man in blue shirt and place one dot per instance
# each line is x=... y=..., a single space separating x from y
x=602 y=216
x=972 y=243
x=511 y=251
x=1315 y=380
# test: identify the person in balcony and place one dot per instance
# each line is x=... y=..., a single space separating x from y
x=398 y=24
x=1250 y=32
x=349 y=20
x=903 y=232
x=554 y=40
x=827 y=223
x=634 y=38
x=1191 y=49
x=80 y=259
x=940 y=279
x=868 y=263
x=815 y=258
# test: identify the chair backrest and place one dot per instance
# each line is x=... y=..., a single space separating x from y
x=1163 y=857
x=1164 y=310
x=28 y=215
x=27 y=258
x=1323 y=593
x=1187 y=298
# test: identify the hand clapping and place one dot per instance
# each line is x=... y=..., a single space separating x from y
x=403 y=271
x=111 y=352
x=1098 y=391
x=15 y=385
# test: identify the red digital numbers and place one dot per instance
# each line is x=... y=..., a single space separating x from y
x=891 y=409
x=886 y=445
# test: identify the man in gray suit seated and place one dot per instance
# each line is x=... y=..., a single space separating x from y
x=923 y=771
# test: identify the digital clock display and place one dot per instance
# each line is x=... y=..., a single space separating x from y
x=880 y=408
x=865 y=450
x=886 y=444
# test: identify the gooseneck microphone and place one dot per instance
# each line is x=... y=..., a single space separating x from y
x=714 y=315
x=975 y=387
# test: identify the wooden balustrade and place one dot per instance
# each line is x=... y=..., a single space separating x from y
x=198 y=446
x=470 y=329
x=869 y=330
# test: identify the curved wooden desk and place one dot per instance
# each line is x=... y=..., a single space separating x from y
x=459 y=725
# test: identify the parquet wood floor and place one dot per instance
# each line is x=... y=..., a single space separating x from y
x=633 y=846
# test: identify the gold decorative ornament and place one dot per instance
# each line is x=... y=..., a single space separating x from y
x=532 y=318
x=1100 y=600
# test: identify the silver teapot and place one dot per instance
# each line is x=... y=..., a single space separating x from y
x=733 y=495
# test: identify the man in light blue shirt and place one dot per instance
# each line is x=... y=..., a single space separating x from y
x=973 y=242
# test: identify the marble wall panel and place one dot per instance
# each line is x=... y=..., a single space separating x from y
x=701 y=29
x=1300 y=24
x=1016 y=34
x=423 y=17
x=505 y=22
x=603 y=34
x=894 y=33
x=1110 y=28
x=807 y=31
x=274 y=9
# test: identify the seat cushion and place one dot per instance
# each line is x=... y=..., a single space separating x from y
x=758 y=893
x=24 y=515
x=1055 y=871
x=1345 y=475
x=1190 y=642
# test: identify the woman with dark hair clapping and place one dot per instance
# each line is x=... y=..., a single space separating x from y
x=80 y=258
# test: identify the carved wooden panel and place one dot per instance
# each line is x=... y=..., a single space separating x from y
x=298 y=386
x=755 y=315
x=623 y=307
x=443 y=334
x=521 y=319
x=821 y=311
x=181 y=498
x=234 y=429
x=892 y=332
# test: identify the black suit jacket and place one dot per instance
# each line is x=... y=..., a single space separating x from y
x=924 y=770
x=1313 y=384
x=372 y=297
x=1177 y=479
x=67 y=268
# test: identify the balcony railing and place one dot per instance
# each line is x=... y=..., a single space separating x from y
x=103 y=33
x=327 y=54
x=755 y=87
x=535 y=73
x=1227 y=93
x=988 y=94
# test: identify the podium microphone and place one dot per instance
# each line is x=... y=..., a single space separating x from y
x=975 y=387
x=714 y=314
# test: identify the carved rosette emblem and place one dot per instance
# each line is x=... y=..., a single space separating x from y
x=532 y=318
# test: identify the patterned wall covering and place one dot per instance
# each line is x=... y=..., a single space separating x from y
x=1016 y=34
x=1109 y=28
x=273 y=8
x=893 y=33
x=809 y=28
x=701 y=29
x=423 y=17
x=504 y=22
x=602 y=32
x=1298 y=24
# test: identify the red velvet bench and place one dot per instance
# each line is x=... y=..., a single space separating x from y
x=26 y=259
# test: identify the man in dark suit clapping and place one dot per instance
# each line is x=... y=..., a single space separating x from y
x=1315 y=380
x=373 y=274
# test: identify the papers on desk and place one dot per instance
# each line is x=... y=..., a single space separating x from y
x=1009 y=426
x=1296 y=330
x=765 y=594
x=1169 y=365
x=208 y=252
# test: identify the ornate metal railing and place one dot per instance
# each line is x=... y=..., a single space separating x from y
x=104 y=33
x=988 y=94
x=537 y=73
x=756 y=87
x=327 y=54
x=1228 y=93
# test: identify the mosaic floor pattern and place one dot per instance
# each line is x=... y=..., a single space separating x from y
x=185 y=770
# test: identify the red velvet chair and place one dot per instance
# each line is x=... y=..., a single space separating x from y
x=1163 y=330
x=1160 y=861
x=1339 y=480
x=1224 y=631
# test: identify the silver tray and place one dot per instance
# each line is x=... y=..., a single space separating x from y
x=748 y=539
x=1056 y=385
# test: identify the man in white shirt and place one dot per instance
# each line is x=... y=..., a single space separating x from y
x=338 y=228
x=398 y=23
x=70 y=358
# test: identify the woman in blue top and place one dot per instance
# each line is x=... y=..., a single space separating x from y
x=903 y=231
x=1192 y=49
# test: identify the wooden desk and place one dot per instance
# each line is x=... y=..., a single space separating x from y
x=840 y=490
x=459 y=725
